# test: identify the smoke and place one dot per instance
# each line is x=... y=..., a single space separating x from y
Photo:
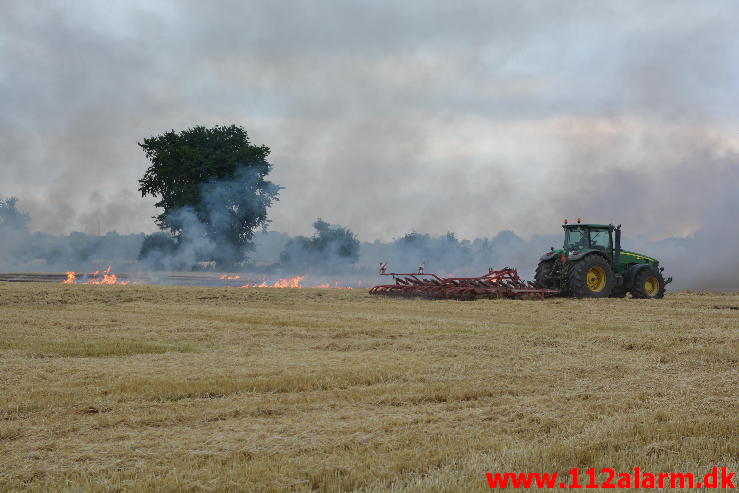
x=335 y=254
x=448 y=255
x=331 y=248
x=182 y=252
x=456 y=112
x=21 y=251
x=219 y=228
x=687 y=197
x=473 y=117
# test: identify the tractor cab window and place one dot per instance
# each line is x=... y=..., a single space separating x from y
x=600 y=238
x=575 y=239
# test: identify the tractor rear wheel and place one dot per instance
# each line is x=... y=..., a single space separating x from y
x=591 y=277
x=648 y=283
x=543 y=271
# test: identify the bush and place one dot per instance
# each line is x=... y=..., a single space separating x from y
x=157 y=247
x=331 y=244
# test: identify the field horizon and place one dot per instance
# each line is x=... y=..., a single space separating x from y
x=174 y=388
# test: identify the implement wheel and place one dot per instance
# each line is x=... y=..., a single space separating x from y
x=591 y=277
x=648 y=283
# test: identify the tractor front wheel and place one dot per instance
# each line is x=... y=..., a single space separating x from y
x=648 y=283
x=543 y=273
x=591 y=277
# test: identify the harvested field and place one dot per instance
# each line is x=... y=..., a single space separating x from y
x=153 y=388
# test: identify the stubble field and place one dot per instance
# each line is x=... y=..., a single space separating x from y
x=151 y=388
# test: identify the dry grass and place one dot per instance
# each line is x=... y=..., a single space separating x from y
x=139 y=388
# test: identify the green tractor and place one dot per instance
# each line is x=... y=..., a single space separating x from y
x=591 y=264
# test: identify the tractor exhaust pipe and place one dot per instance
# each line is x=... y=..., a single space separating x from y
x=617 y=250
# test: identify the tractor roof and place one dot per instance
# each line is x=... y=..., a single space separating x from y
x=598 y=226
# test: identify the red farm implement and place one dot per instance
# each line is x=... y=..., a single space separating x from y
x=503 y=283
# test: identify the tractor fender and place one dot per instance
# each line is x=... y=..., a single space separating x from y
x=548 y=256
x=631 y=273
x=573 y=258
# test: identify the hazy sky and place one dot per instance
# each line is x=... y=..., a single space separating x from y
x=384 y=116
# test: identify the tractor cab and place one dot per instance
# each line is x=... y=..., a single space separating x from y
x=588 y=236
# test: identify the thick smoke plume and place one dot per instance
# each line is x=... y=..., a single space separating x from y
x=219 y=228
x=335 y=253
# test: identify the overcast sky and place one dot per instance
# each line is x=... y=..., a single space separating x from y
x=385 y=117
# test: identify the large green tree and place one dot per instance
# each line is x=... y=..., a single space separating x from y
x=211 y=184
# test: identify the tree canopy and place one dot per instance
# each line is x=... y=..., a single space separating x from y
x=210 y=182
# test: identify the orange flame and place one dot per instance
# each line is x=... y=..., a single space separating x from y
x=335 y=286
x=293 y=282
x=226 y=277
x=289 y=283
x=95 y=278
